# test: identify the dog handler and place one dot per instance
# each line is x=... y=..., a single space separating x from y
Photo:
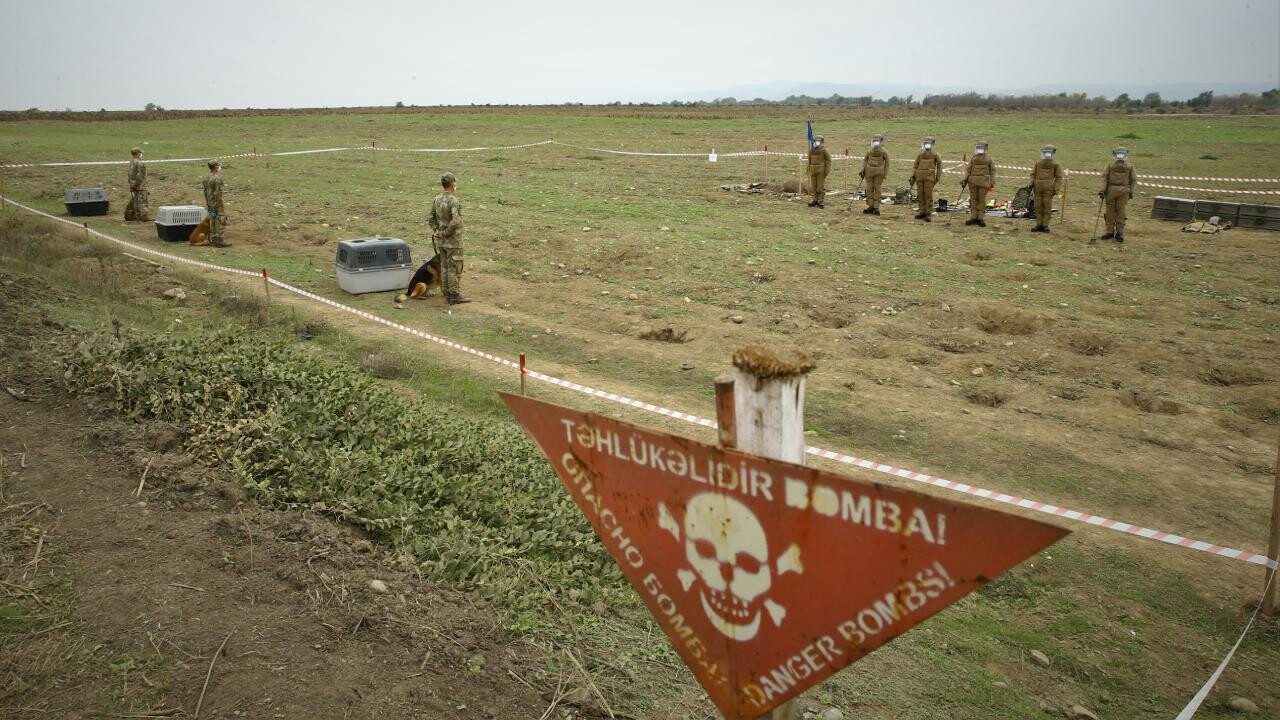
x=446 y=221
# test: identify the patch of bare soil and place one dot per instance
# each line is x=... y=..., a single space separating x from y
x=1086 y=342
x=666 y=334
x=135 y=584
x=999 y=320
x=1227 y=373
x=1148 y=402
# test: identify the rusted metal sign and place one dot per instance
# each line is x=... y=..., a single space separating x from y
x=767 y=576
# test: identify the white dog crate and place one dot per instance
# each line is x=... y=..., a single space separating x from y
x=175 y=222
x=86 y=201
x=375 y=264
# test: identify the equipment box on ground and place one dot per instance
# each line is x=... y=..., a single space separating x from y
x=1227 y=212
x=175 y=222
x=87 y=201
x=376 y=264
x=1260 y=216
x=1168 y=208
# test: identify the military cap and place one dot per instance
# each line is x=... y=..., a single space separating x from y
x=447 y=179
x=214 y=163
x=1049 y=148
x=1124 y=150
x=136 y=151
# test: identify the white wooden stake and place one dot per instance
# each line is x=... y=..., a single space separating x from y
x=768 y=420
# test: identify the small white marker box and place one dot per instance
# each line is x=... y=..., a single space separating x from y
x=174 y=223
x=373 y=264
x=86 y=201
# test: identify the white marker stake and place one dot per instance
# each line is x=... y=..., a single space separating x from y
x=768 y=409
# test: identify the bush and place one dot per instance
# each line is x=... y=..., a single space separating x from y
x=473 y=500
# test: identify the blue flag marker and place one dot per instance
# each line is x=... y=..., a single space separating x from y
x=810 y=124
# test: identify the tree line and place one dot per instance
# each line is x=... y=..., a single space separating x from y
x=1207 y=100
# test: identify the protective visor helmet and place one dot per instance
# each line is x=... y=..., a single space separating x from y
x=980 y=148
x=817 y=140
x=1120 y=153
x=877 y=140
x=927 y=144
x=1048 y=151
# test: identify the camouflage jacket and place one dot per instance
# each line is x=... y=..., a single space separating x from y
x=446 y=217
x=213 y=191
x=137 y=175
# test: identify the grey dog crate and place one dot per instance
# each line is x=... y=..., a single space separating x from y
x=374 y=264
x=86 y=201
x=174 y=223
x=1259 y=216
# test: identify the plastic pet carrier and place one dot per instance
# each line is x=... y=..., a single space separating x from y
x=175 y=222
x=375 y=264
x=86 y=201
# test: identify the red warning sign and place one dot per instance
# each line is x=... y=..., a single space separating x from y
x=767 y=576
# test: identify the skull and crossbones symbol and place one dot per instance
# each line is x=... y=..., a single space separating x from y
x=728 y=555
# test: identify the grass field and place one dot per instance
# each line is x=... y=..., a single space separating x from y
x=1135 y=382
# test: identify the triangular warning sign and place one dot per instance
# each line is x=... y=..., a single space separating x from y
x=767 y=576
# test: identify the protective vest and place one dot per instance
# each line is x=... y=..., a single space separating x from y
x=927 y=164
x=819 y=161
x=1046 y=175
x=1118 y=174
x=876 y=163
x=981 y=171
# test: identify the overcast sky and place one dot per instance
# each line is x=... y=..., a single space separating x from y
x=84 y=54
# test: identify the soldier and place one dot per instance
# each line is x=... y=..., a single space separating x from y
x=875 y=168
x=213 y=203
x=926 y=171
x=138 y=186
x=446 y=221
x=1118 y=181
x=819 y=165
x=1046 y=181
x=980 y=176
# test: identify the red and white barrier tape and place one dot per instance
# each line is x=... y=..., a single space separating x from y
x=173 y=160
x=1095 y=520
x=377 y=148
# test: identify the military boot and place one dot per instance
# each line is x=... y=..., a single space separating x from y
x=457 y=300
x=982 y=223
x=1108 y=235
x=928 y=217
x=1120 y=236
x=971 y=221
x=875 y=211
x=869 y=211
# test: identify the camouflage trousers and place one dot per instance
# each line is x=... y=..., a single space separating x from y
x=139 y=203
x=216 y=226
x=451 y=271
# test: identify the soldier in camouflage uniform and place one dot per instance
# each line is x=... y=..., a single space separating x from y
x=213 y=203
x=446 y=222
x=138 y=186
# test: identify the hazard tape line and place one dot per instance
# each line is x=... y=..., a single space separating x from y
x=1096 y=520
x=1197 y=700
x=377 y=148
x=175 y=160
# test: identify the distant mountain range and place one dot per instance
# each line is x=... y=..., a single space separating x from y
x=884 y=91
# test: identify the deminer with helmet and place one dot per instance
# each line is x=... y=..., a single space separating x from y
x=875 y=168
x=1118 y=181
x=925 y=173
x=818 y=167
x=980 y=176
x=1046 y=181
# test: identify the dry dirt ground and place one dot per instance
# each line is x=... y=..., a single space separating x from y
x=115 y=604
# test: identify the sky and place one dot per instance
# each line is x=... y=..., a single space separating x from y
x=288 y=53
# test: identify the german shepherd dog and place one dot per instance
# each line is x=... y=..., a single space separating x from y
x=424 y=280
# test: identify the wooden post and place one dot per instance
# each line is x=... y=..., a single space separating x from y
x=1273 y=547
x=724 y=412
x=522 y=374
x=1062 y=215
x=266 y=288
x=3 y=201
x=846 y=169
x=767 y=418
x=373 y=149
x=766 y=164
